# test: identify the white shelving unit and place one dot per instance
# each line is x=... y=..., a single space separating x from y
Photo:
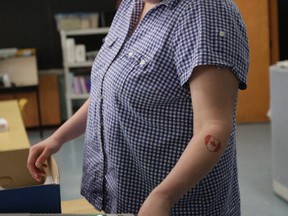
x=70 y=96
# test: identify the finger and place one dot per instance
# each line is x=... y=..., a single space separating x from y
x=32 y=157
x=39 y=175
x=40 y=162
x=36 y=173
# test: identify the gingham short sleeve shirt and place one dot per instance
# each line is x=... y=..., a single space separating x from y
x=140 y=116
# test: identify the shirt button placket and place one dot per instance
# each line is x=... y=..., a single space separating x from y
x=101 y=127
x=101 y=118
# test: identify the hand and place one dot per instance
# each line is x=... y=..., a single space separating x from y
x=38 y=154
x=155 y=205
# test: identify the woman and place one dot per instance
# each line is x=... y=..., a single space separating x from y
x=160 y=120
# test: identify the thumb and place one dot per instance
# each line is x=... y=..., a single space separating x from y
x=42 y=158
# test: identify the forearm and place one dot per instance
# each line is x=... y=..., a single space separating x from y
x=73 y=127
x=195 y=163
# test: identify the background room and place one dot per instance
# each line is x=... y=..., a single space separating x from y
x=37 y=68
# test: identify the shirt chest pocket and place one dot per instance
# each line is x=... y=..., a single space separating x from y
x=146 y=80
x=134 y=76
x=106 y=54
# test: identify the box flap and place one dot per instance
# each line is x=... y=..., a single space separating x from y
x=53 y=171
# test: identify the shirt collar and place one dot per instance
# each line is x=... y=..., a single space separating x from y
x=169 y=3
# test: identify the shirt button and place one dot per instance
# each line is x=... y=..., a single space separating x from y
x=143 y=62
x=222 y=33
x=101 y=174
x=130 y=54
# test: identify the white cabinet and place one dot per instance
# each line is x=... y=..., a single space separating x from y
x=279 y=126
x=71 y=64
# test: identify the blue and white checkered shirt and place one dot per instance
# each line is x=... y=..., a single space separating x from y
x=140 y=115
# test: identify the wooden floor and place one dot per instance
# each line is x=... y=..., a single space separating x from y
x=78 y=206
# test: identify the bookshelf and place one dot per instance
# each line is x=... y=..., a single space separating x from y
x=76 y=72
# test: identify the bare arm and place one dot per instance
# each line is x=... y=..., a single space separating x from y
x=214 y=93
x=72 y=128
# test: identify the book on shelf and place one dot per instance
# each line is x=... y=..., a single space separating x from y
x=80 y=53
x=76 y=53
x=80 y=84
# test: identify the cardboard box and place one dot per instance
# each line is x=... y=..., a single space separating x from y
x=20 y=193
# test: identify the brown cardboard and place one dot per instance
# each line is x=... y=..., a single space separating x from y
x=13 y=170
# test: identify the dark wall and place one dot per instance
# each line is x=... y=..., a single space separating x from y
x=283 y=28
x=31 y=23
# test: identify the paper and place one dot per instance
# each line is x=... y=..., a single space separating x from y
x=3 y=125
x=283 y=64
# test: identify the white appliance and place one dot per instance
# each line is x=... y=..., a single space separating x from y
x=279 y=128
